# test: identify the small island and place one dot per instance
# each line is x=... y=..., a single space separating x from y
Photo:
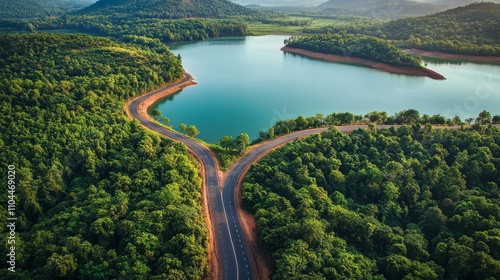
x=362 y=50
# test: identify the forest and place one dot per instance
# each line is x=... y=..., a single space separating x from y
x=171 y=9
x=39 y=8
x=98 y=197
x=405 y=117
x=473 y=29
x=406 y=203
x=155 y=19
x=470 y=30
x=367 y=47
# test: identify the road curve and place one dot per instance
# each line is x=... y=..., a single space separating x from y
x=235 y=260
x=234 y=177
x=226 y=251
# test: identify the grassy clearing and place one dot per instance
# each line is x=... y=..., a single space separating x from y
x=257 y=28
x=283 y=24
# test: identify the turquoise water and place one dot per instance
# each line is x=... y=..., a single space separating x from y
x=247 y=84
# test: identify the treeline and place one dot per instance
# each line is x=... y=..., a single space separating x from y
x=409 y=117
x=367 y=47
x=169 y=21
x=391 y=204
x=165 y=30
x=173 y=9
x=39 y=8
x=97 y=197
x=473 y=29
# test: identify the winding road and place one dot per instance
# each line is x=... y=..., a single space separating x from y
x=232 y=250
x=234 y=258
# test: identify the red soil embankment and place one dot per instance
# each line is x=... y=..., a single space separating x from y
x=415 y=71
x=462 y=57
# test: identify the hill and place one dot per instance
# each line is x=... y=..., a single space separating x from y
x=457 y=3
x=473 y=29
x=39 y=8
x=380 y=8
x=169 y=9
x=282 y=3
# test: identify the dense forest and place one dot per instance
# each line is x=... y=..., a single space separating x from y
x=97 y=196
x=167 y=9
x=356 y=46
x=474 y=29
x=164 y=20
x=407 y=203
x=39 y=8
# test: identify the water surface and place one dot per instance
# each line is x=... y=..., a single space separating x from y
x=247 y=84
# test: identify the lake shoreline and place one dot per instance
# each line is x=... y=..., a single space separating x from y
x=161 y=92
x=452 y=56
x=414 y=71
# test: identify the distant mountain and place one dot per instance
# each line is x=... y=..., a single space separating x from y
x=168 y=9
x=457 y=3
x=282 y=3
x=380 y=8
x=39 y=8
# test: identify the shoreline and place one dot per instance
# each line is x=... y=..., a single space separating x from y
x=414 y=71
x=452 y=56
x=150 y=98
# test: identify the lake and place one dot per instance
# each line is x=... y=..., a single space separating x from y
x=246 y=84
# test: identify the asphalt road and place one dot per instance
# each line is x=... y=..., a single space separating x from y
x=232 y=268
x=232 y=249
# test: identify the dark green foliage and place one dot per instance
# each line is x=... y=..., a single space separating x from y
x=167 y=9
x=401 y=203
x=97 y=196
x=356 y=46
x=169 y=21
x=39 y=8
x=409 y=117
x=474 y=29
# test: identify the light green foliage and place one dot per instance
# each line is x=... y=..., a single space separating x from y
x=98 y=197
x=407 y=203
x=192 y=131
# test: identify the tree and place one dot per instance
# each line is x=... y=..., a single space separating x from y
x=484 y=117
x=183 y=127
x=166 y=121
x=62 y=266
x=156 y=114
x=242 y=142
x=227 y=142
x=192 y=131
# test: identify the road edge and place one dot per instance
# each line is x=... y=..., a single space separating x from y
x=165 y=91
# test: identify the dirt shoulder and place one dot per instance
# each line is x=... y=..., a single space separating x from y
x=163 y=92
x=370 y=63
x=462 y=57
